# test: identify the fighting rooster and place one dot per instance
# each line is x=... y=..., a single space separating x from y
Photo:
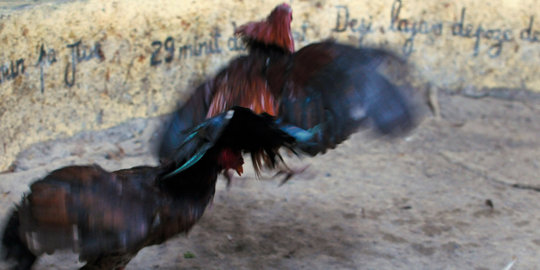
x=327 y=88
x=107 y=217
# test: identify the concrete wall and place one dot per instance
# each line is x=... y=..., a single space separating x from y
x=69 y=66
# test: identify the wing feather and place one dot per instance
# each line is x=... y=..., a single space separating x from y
x=338 y=88
x=84 y=208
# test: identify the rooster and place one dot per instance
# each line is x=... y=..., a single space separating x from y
x=107 y=217
x=329 y=88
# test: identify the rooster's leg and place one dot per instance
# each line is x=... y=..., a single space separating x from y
x=229 y=176
x=289 y=173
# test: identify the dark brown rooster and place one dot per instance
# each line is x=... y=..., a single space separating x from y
x=107 y=217
x=328 y=88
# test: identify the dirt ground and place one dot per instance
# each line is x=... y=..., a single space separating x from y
x=417 y=202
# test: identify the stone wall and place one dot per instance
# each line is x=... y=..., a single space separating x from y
x=69 y=66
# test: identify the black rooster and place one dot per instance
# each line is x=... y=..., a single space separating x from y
x=107 y=217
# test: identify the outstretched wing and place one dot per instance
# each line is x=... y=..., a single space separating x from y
x=333 y=89
x=84 y=208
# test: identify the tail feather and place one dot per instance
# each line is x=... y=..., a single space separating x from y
x=14 y=247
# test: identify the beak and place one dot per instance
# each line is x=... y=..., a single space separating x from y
x=239 y=170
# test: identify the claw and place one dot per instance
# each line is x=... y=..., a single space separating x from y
x=289 y=173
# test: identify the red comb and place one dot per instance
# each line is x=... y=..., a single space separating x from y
x=275 y=30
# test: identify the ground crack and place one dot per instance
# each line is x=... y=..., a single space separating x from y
x=485 y=175
x=529 y=187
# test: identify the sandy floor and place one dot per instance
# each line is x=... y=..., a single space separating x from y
x=418 y=202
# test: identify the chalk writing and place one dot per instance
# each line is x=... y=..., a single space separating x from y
x=234 y=43
x=480 y=33
x=45 y=58
x=80 y=53
x=486 y=40
x=528 y=34
x=470 y=31
x=12 y=70
x=344 y=22
x=169 y=48
x=301 y=36
x=196 y=48
x=164 y=51
x=411 y=27
x=156 y=44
